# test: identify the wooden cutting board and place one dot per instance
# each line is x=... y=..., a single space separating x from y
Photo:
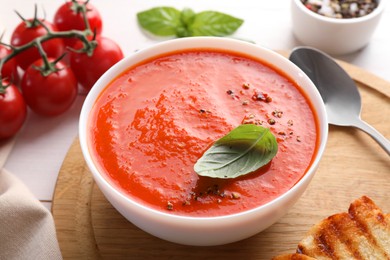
x=88 y=227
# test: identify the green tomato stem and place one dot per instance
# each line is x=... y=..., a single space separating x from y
x=47 y=67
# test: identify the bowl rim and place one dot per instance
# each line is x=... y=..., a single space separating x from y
x=125 y=63
x=377 y=11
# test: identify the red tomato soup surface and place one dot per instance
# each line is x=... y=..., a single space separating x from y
x=153 y=122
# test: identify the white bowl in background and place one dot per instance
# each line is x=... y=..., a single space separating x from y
x=335 y=36
x=204 y=231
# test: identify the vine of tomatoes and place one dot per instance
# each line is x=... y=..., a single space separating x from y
x=34 y=72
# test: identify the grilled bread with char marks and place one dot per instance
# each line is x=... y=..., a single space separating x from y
x=293 y=257
x=362 y=233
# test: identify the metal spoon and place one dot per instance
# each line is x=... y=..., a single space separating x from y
x=338 y=90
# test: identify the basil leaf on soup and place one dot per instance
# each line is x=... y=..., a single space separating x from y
x=243 y=150
x=212 y=23
x=160 y=21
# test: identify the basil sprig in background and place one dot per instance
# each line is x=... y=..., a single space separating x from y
x=168 y=22
x=243 y=150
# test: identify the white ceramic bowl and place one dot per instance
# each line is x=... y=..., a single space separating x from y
x=204 y=230
x=332 y=35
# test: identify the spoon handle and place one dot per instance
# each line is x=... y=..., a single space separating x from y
x=381 y=140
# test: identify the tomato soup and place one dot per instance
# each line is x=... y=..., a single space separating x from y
x=152 y=123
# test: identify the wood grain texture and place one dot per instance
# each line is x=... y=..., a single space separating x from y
x=88 y=227
x=71 y=207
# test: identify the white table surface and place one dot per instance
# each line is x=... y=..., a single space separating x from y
x=42 y=144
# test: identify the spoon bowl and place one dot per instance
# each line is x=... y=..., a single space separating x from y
x=338 y=91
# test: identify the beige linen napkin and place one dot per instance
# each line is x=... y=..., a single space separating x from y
x=26 y=227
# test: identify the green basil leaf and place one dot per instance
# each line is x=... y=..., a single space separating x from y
x=211 y=23
x=182 y=32
x=187 y=16
x=244 y=150
x=160 y=21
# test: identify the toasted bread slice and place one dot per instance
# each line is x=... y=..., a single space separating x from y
x=294 y=256
x=362 y=233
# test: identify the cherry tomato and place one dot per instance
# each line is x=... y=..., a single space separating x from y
x=89 y=69
x=13 y=111
x=49 y=95
x=9 y=70
x=24 y=34
x=68 y=17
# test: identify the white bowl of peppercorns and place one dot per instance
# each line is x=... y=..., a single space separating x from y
x=337 y=27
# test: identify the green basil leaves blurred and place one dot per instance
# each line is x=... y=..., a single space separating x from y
x=170 y=22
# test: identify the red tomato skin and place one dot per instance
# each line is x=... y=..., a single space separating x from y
x=89 y=69
x=51 y=95
x=68 y=19
x=9 y=70
x=13 y=111
x=23 y=35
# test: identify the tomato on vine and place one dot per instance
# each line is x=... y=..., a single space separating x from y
x=49 y=88
x=89 y=66
x=69 y=16
x=9 y=70
x=27 y=31
x=13 y=110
